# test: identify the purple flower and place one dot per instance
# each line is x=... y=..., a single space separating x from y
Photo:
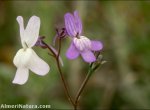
x=80 y=45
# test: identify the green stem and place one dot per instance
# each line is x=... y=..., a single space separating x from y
x=82 y=87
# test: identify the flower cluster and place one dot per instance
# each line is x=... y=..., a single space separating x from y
x=26 y=59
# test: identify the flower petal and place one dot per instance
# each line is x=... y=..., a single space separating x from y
x=21 y=76
x=72 y=52
x=37 y=65
x=32 y=31
x=22 y=31
x=96 y=45
x=78 y=22
x=70 y=24
x=88 y=56
x=22 y=57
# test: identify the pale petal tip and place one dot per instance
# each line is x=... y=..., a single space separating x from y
x=47 y=69
x=67 y=14
x=18 y=82
x=100 y=45
x=21 y=76
x=36 y=18
x=96 y=45
x=19 y=19
x=76 y=12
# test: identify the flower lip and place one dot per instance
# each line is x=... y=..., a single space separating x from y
x=22 y=57
x=82 y=43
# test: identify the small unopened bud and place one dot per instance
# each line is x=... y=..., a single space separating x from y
x=100 y=57
x=99 y=61
x=60 y=33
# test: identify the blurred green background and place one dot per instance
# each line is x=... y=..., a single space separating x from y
x=122 y=83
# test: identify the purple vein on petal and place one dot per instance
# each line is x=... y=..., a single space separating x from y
x=78 y=22
x=70 y=25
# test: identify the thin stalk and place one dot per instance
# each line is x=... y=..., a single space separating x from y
x=49 y=48
x=82 y=88
x=64 y=83
x=61 y=74
x=56 y=56
x=59 y=47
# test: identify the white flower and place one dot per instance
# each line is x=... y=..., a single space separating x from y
x=26 y=58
